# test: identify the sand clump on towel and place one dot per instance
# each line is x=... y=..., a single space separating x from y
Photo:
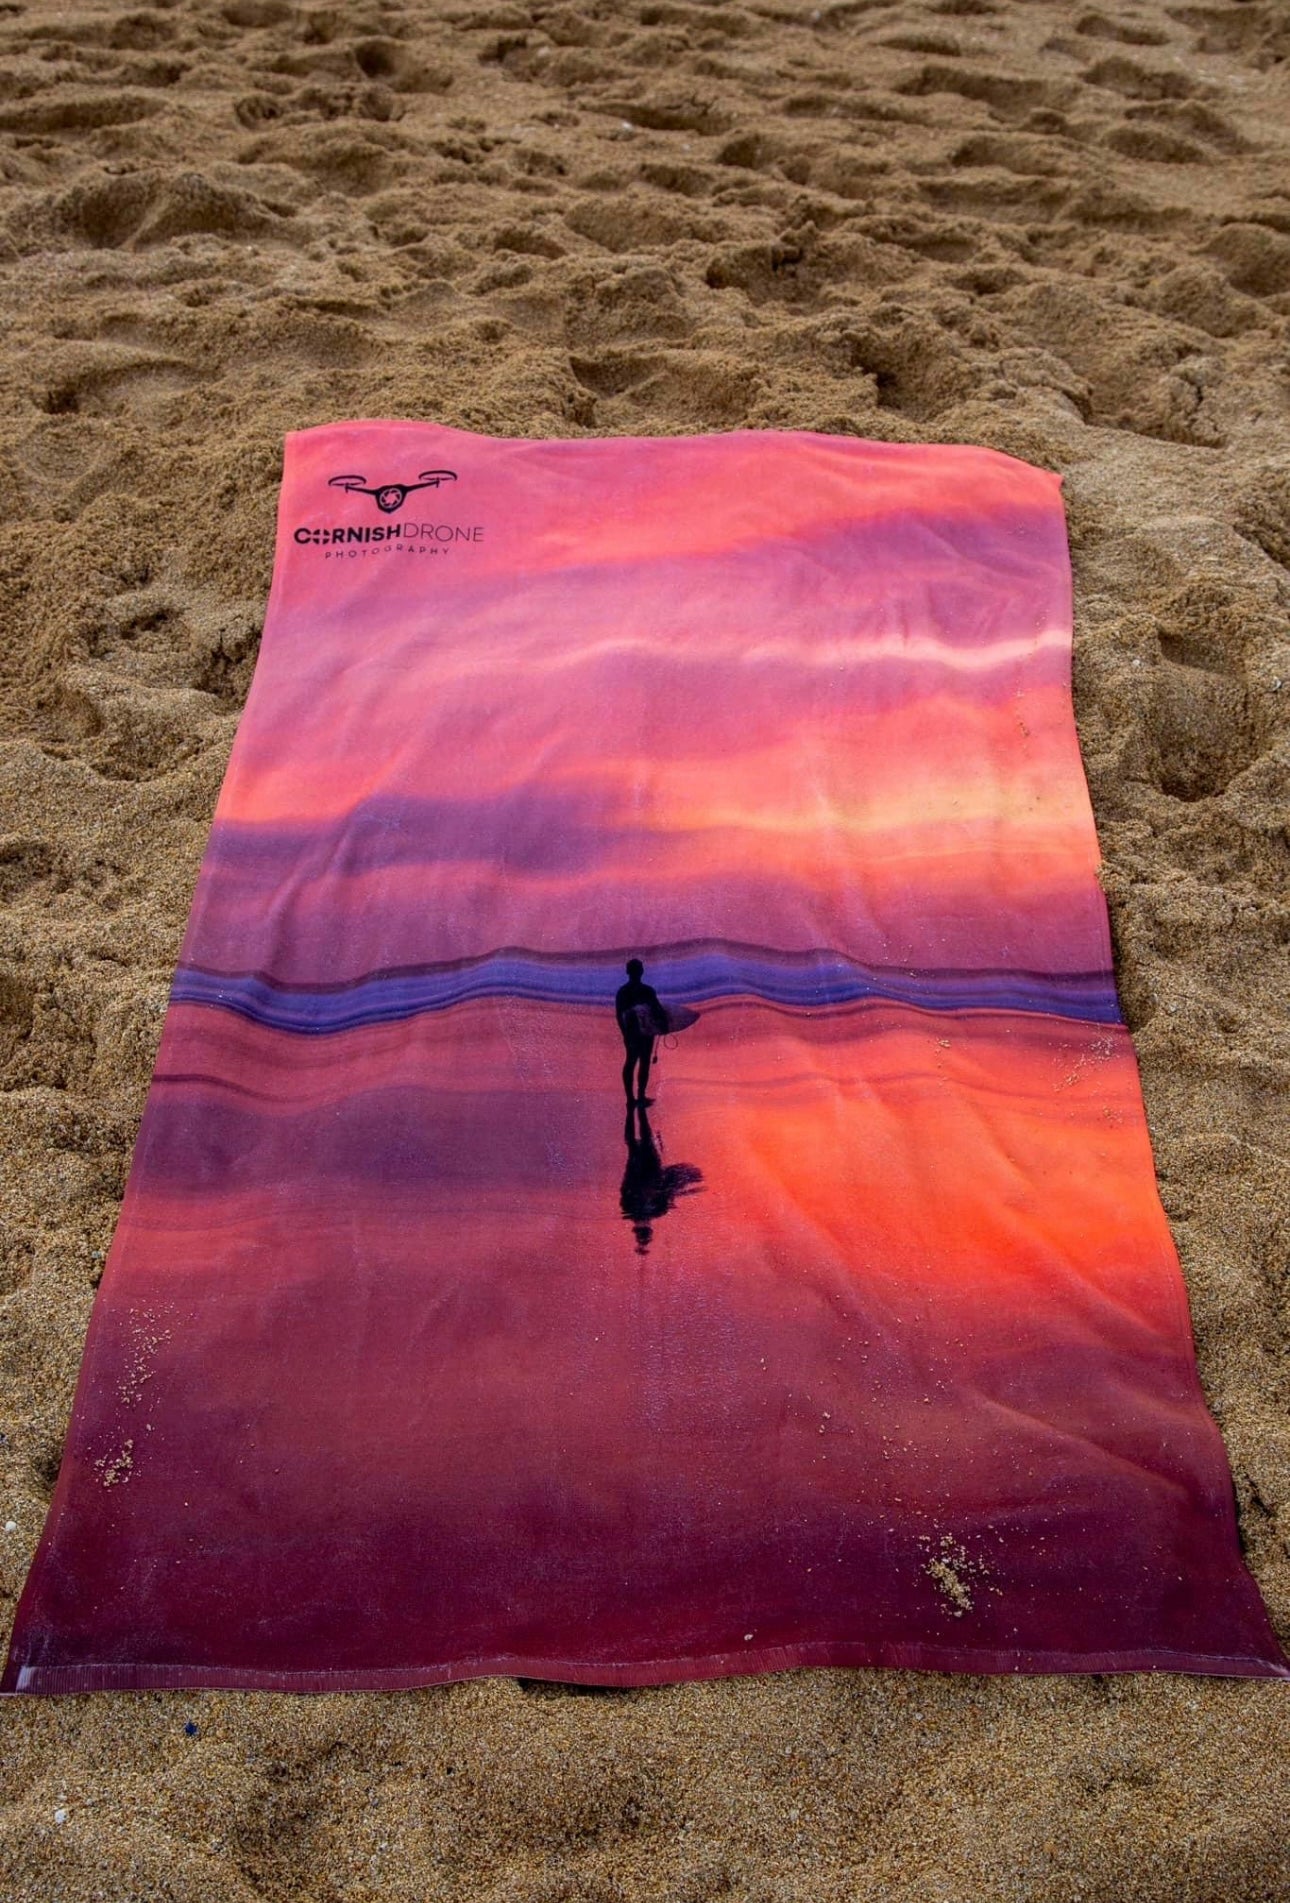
x=1060 y=229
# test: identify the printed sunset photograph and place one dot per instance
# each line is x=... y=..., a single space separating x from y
x=641 y=1182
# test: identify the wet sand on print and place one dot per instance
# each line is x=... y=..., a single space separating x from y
x=1057 y=229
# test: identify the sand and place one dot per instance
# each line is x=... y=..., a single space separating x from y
x=1058 y=230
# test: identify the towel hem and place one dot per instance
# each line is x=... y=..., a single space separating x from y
x=47 y=1680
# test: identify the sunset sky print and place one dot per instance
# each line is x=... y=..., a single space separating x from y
x=421 y=1352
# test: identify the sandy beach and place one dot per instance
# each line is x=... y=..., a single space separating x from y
x=1058 y=230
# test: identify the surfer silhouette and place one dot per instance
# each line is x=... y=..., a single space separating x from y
x=650 y=1187
x=641 y=1018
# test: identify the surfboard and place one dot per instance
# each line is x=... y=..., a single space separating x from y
x=679 y=1017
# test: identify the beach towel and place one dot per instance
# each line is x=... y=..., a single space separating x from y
x=460 y=1322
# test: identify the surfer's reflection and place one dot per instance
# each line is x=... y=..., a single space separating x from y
x=650 y=1186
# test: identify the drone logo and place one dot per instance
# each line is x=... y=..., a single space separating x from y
x=391 y=496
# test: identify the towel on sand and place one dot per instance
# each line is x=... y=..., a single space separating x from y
x=458 y=1323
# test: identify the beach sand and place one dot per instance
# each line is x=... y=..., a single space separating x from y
x=1059 y=230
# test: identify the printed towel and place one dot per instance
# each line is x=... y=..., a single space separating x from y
x=645 y=1175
